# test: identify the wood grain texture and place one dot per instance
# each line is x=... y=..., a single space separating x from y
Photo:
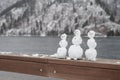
x=21 y=58
x=100 y=63
x=102 y=69
x=83 y=73
x=23 y=67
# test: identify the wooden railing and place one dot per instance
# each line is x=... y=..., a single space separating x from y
x=102 y=69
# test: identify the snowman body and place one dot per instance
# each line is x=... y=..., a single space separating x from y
x=91 y=53
x=91 y=43
x=63 y=43
x=61 y=51
x=75 y=51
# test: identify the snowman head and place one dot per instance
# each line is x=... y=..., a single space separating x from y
x=63 y=36
x=91 y=34
x=77 y=32
x=76 y=40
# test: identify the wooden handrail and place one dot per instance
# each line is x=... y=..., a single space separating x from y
x=102 y=69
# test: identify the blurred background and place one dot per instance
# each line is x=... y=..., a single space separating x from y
x=53 y=17
x=34 y=26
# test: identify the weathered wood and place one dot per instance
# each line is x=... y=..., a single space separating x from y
x=22 y=58
x=100 y=63
x=23 y=67
x=102 y=69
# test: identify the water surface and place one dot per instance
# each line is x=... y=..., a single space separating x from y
x=107 y=47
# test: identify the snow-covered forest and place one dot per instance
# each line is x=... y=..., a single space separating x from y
x=53 y=17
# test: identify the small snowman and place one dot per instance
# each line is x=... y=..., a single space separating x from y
x=75 y=51
x=62 y=51
x=91 y=53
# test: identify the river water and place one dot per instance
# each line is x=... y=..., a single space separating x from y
x=106 y=47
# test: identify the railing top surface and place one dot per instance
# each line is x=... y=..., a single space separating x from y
x=99 y=63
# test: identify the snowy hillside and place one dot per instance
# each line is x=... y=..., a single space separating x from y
x=53 y=17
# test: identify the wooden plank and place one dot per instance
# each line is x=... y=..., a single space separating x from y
x=22 y=58
x=102 y=69
x=23 y=67
x=82 y=73
x=100 y=63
